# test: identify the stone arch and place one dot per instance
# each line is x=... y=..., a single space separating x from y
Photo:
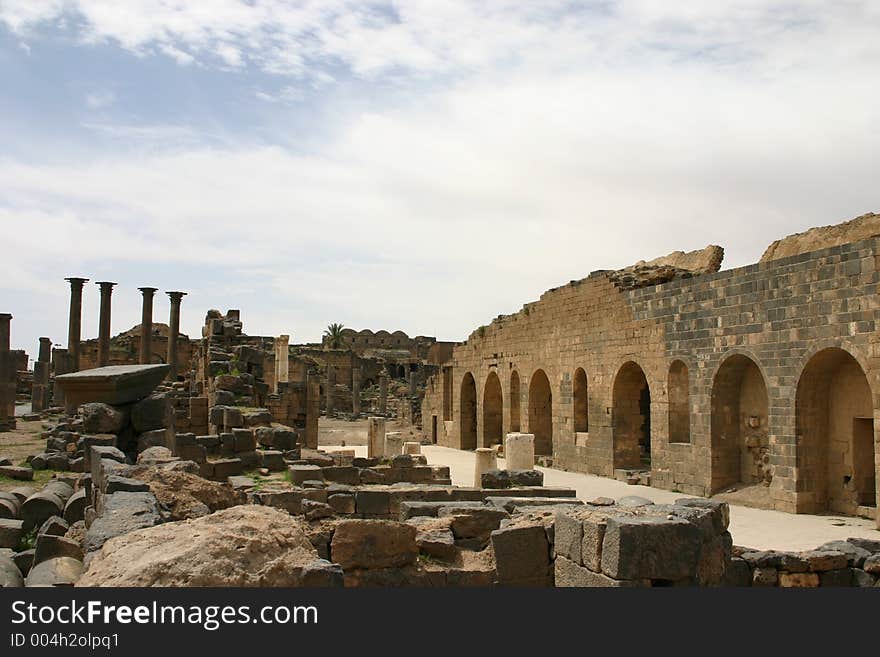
x=514 y=402
x=541 y=412
x=468 y=412
x=493 y=411
x=678 y=390
x=740 y=450
x=580 y=402
x=631 y=418
x=834 y=418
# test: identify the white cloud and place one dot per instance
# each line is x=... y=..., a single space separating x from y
x=100 y=99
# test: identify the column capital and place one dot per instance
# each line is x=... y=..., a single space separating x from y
x=5 y=316
x=75 y=280
x=176 y=296
x=148 y=290
x=106 y=284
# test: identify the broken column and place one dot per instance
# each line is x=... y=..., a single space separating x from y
x=519 y=451
x=393 y=444
x=331 y=384
x=383 y=393
x=411 y=379
x=146 y=355
x=173 y=332
x=104 y=324
x=375 y=437
x=282 y=364
x=74 y=326
x=7 y=376
x=356 y=391
x=40 y=388
x=485 y=460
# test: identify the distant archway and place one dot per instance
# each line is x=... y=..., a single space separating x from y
x=541 y=413
x=493 y=413
x=740 y=435
x=514 y=402
x=468 y=412
x=835 y=429
x=631 y=419
x=580 y=401
x=678 y=386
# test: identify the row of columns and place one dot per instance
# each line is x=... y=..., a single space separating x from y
x=74 y=331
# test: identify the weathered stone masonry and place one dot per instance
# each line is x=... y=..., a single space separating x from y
x=761 y=374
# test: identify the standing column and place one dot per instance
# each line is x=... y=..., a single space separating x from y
x=173 y=331
x=104 y=324
x=331 y=384
x=282 y=363
x=383 y=393
x=147 y=325
x=356 y=391
x=40 y=388
x=74 y=327
x=7 y=377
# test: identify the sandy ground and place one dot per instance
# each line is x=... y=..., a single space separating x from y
x=17 y=446
x=750 y=527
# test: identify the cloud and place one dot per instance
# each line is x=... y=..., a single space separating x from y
x=100 y=99
x=494 y=150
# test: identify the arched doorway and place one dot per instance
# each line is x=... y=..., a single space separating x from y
x=631 y=419
x=580 y=401
x=468 y=412
x=835 y=432
x=514 y=401
x=541 y=413
x=493 y=413
x=678 y=386
x=740 y=435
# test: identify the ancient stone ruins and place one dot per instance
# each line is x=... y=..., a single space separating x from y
x=155 y=459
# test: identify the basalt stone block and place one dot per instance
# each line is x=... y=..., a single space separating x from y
x=855 y=555
x=322 y=573
x=224 y=468
x=872 y=564
x=103 y=418
x=39 y=461
x=372 y=476
x=194 y=453
x=284 y=439
x=210 y=442
x=869 y=544
x=9 y=505
x=49 y=546
x=114 y=385
x=107 y=452
x=261 y=418
x=839 y=577
x=17 y=472
x=151 y=413
x=61 y=571
x=496 y=479
x=10 y=574
x=342 y=474
x=301 y=473
x=568 y=537
x=59 y=462
x=265 y=436
x=24 y=560
x=645 y=547
x=272 y=460
x=522 y=556
x=372 y=502
x=342 y=503
x=55 y=526
x=362 y=462
x=117 y=483
x=122 y=513
x=720 y=510
x=314 y=510
x=373 y=544
x=243 y=440
x=74 y=510
x=11 y=531
x=473 y=522
x=737 y=573
x=249 y=460
x=570 y=574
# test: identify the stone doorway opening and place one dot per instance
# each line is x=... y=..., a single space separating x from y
x=468 y=412
x=631 y=418
x=541 y=413
x=493 y=412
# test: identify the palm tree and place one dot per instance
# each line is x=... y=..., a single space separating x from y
x=333 y=336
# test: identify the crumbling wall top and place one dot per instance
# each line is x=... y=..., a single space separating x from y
x=824 y=237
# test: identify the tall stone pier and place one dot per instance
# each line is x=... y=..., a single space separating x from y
x=173 y=332
x=356 y=391
x=331 y=385
x=104 y=323
x=40 y=388
x=62 y=363
x=7 y=376
x=147 y=325
x=74 y=325
x=282 y=363
x=383 y=393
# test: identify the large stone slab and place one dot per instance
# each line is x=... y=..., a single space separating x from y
x=115 y=384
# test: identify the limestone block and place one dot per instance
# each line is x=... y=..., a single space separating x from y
x=519 y=450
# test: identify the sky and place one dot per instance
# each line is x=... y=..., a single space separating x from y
x=418 y=165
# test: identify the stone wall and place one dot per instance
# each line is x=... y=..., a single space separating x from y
x=751 y=346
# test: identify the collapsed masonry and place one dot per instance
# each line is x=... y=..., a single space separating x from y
x=676 y=374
